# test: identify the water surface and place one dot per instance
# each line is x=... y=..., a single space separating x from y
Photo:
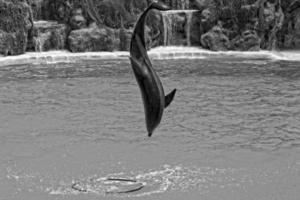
x=232 y=131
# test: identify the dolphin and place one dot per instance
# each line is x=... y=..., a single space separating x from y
x=151 y=88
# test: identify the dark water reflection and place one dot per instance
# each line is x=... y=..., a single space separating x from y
x=63 y=116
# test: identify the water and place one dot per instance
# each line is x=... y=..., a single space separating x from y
x=232 y=132
x=177 y=27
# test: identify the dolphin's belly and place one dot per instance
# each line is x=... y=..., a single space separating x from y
x=154 y=101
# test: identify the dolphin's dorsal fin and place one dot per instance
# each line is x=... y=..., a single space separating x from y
x=169 y=98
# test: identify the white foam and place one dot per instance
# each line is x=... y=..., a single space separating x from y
x=196 y=52
x=288 y=55
x=159 y=53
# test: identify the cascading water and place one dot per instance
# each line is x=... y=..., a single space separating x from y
x=188 y=27
x=48 y=35
x=177 y=27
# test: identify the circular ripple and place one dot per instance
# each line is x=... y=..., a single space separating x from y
x=108 y=185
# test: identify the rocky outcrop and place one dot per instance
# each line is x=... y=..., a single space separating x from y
x=57 y=10
x=93 y=38
x=15 y=22
x=247 y=41
x=248 y=25
x=270 y=25
x=107 y=12
x=289 y=36
x=215 y=39
x=77 y=20
x=36 y=7
x=177 y=4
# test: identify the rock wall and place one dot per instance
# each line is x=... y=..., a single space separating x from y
x=15 y=22
x=241 y=25
x=93 y=38
x=177 y=4
x=36 y=7
x=218 y=24
x=289 y=35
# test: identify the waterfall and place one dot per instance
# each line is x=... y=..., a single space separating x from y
x=189 y=16
x=177 y=27
x=166 y=25
x=38 y=44
x=48 y=35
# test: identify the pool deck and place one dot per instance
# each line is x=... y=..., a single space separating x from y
x=159 y=53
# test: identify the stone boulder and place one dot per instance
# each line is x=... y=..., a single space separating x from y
x=247 y=41
x=208 y=19
x=93 y=38
x=215 y=39
x=15 y=22
x=77 y=20
x=48 y=35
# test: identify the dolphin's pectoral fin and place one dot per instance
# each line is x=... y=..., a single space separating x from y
x=169 y=98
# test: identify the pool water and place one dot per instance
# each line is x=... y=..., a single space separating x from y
x=232 y=131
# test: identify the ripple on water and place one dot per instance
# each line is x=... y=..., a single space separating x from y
x=202 y=180
x=53 y=110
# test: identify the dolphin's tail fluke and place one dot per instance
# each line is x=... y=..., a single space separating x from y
x=169 y=98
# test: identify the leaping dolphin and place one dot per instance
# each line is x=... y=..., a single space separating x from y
x=149 y=83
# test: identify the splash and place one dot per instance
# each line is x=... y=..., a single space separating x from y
x=133 y=184
x=169 y=178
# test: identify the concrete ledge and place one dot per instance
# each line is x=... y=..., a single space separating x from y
x=160 y=53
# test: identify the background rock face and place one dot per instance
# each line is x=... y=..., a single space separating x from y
x=36 y=7
x=216 y=25
x=178 y=4
x=215 y=40
x=93 y=39
x=108 y=12
x=289 y=36
x=15 y=21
